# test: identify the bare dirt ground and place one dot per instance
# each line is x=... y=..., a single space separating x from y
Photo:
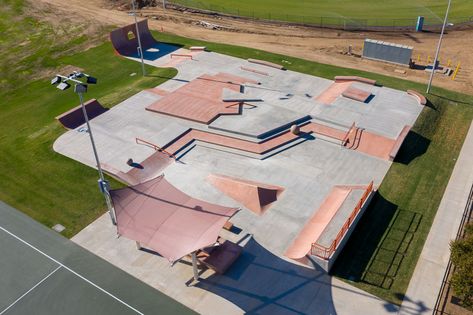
x=321 y=45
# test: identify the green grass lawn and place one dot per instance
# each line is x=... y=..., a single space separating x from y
x=380 y=256
x=375 y=11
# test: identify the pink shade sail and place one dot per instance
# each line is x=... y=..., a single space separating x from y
x=164 y=219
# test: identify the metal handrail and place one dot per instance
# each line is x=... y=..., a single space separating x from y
x=345 y=139
x=154 y=146
x=325 y=252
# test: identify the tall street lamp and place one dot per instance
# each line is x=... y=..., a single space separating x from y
x=438 y=48
x=139 y=39
x=63 y=83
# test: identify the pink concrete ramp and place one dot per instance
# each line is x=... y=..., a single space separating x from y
x=332 y=92
x=125 y=39
x=200 y=100
x=150 y=168
x=255 y=196
x=75 y=117
x=164 y=219
x=311 y=232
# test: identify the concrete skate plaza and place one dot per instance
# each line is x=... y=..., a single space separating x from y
x=245 y=136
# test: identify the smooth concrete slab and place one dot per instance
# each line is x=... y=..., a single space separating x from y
x=426 y=281
x=258 y=283
x=307 y=171
x=254 y=122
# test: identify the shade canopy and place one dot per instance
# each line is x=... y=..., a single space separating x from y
x=166 y=220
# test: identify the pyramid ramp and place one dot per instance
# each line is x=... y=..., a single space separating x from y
x=255 y=196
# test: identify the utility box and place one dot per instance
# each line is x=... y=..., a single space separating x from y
x=388 y=52
x=419 y=24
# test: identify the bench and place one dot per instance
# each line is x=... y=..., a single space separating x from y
x=397 y=145
x=266 y=63
x=341 y=78
x=198 y=48
x=419 y=97
x=219 y=258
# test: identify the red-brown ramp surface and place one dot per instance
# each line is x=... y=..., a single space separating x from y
x=256 y=196
x=201 y=99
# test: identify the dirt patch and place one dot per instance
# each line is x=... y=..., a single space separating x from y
x=321 y=45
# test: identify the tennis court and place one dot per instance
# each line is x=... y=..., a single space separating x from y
x=45 y=273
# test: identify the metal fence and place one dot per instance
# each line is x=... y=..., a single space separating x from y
x=318 y=21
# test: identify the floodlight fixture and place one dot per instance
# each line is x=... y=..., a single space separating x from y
x=91 y=80
x=80 y=88
x=56 y=80
x=63 y=86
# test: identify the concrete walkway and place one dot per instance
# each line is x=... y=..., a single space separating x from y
x=426 y=281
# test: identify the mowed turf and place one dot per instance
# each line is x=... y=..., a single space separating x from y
x=375 y=11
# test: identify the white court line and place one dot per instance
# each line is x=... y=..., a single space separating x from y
x=69 y=269
x=31 y=289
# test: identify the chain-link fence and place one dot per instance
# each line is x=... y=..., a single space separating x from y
x=318 y=21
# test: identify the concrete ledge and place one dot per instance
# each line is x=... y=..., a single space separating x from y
x=419 y=97
x=397 y=145
x=356 y=94
x=266 y=63
x=341 y=78
x=198 y=48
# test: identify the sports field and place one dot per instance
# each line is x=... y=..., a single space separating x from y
x=382 y=13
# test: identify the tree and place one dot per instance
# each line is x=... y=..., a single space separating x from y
x=462 y=258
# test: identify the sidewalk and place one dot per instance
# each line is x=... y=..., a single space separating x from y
x=426 y=281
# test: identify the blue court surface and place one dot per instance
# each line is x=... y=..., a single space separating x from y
x=45 y=273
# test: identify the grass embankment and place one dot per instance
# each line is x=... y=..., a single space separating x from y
x=47 y=186
x=382 y=253
x=374 y=12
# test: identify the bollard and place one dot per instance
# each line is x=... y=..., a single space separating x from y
x=456 y=71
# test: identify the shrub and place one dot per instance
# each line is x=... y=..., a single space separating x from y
x=462 y=258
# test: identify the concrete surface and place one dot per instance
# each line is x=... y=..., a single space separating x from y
x=426 y=281
x=263 y=280
x=258 y=283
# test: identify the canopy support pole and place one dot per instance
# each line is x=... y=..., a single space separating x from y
x=194 y=266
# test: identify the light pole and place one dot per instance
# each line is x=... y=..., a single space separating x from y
x=80 y=88
x=140 y=49
x=438 y=48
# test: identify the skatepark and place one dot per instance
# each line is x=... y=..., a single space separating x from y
x=299 y=156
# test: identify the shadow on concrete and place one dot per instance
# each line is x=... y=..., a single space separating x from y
x=157 y=51
x=262 y=283
x=413 y=146
x=413 y=307
x=363 y=244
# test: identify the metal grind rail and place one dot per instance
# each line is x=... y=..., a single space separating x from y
x=154 y=146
